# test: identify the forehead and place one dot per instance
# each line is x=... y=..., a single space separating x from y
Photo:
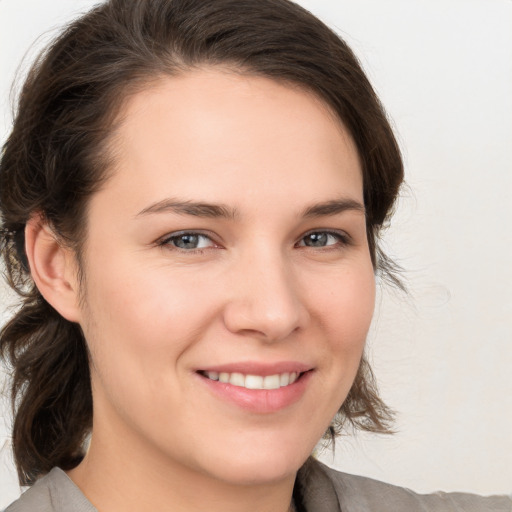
x=217 y=132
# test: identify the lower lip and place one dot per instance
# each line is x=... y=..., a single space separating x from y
x=262 y=401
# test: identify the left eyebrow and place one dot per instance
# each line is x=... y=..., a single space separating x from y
x=197 y=209
x=332 y=207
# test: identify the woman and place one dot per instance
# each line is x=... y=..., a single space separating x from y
x=191 y=199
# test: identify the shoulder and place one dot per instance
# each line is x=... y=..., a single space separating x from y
x=327 y=490
x=54 y=492
x=36 y=498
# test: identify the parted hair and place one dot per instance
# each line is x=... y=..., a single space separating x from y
x=57 y=155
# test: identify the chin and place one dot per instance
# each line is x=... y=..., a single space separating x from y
x=259 y=463
x=259 y=472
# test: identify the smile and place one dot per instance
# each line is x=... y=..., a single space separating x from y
x=258 y=388
x=268 y=382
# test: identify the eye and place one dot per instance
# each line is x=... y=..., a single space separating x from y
x=323 y=239
x=188 y=241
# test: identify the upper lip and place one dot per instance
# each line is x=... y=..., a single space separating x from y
x=258 y=368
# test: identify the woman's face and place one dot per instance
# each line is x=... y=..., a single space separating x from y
x=229 y=244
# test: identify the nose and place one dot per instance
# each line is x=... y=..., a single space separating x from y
x=264 y=299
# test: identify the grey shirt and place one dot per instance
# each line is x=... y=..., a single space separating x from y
x=318 y=489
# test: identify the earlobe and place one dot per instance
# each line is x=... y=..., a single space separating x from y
x=53 y=268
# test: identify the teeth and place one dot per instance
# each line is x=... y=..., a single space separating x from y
x=276 y=381
x=271 y=382
x=237 y=379
x=253 y=382
x=284 y=379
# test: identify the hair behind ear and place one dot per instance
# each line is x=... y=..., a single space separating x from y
x=51 y=390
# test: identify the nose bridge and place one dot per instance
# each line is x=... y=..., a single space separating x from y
x=265 y=299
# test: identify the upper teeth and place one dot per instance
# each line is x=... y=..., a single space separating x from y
x=254 y=381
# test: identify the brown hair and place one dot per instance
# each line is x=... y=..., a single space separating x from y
x=56 y=157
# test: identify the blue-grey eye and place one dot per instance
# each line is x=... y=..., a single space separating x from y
x=189 y=241
x=320 y=239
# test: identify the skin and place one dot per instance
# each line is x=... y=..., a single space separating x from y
x=256 y=290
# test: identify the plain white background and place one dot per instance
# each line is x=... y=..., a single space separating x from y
x=443 y=69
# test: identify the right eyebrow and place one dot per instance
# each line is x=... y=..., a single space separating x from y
x=197 y=209
x=333 y=207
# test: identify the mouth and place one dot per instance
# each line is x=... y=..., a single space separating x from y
x=249 y=381
x=256 y=387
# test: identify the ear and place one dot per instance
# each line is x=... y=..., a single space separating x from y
x=53 y=268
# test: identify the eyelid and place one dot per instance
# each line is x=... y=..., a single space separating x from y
x=165 y=240
x=344 y=238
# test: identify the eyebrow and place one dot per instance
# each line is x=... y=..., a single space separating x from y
x=215 y=210
x=197 y=209
x=333 y=207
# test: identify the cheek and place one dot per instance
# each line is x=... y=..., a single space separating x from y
x=137 y=324
x=137 y=329
x=346 y=309
x=142 y=302
x=344 y=313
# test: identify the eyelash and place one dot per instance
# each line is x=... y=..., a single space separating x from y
x=167 y=241
x=343 y=240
